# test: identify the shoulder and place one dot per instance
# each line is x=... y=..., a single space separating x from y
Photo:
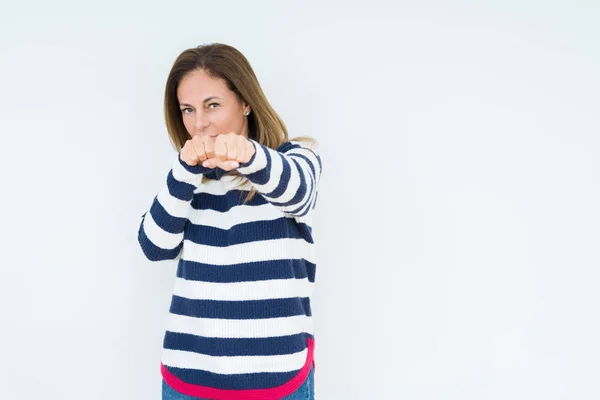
x=304 y=148
x=299 y=145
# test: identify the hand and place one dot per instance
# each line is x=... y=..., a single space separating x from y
x=228 y=151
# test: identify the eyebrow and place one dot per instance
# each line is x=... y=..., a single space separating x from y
x=205 y=100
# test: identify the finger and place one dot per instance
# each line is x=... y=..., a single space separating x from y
x=210 y=162
x=240 y=149
x=209 y=147
x=196 y=153
x=220 y=148
x=229 y=165
x=217 y=162
x=193 y=149
x=187 y=154
x=232 y=149
x=249 y=150
x=213 y=163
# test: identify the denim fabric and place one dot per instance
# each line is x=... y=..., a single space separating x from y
x=304 y=392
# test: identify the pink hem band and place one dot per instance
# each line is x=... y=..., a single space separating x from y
x=249 y=394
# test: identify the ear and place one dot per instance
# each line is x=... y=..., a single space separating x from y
x=246 y=107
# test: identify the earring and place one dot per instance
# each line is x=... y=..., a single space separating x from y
x=246 y=113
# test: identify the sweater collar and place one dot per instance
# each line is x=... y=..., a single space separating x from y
x=219 y=174
x=215 y=173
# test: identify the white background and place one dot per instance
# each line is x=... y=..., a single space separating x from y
x=458 y=220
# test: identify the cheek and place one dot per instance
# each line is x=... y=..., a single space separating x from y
x=189 y=124
x=224 y=122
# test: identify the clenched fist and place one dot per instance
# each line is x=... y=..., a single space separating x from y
x=226 y=151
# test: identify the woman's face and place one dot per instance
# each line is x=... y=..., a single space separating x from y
x=208 y=107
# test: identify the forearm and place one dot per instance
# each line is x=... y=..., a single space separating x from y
x=287 y=177
x=160 y=234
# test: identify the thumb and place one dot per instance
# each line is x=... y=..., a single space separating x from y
x=217 y=162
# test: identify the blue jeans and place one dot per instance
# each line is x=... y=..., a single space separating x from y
x=304 y=392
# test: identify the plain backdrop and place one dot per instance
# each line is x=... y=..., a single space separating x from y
x=457 y=226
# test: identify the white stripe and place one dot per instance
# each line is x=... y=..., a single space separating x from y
x=261 y=250
x=276 y=169
x=158 y=236
x=238 y=291
x=259 y=162
x=221 y=186
x=307 y=194
x=234 y=364
x=172 y=205
x=310 y=154
x=183 y=175
x=274 y=176
x=236 y=215
x=312 y=161
x=293 y=183
x=239 y=328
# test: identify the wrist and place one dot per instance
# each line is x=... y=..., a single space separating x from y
x=184 y=172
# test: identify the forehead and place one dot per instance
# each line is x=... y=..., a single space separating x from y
x=198 y=85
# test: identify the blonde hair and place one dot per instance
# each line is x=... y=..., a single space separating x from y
x=229 y=64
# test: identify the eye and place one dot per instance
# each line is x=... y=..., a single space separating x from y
x=216 y=104
x=183 y=110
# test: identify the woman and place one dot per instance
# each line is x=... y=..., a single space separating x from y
x=236 y=212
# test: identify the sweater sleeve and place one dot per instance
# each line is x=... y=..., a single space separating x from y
x=287 y=177
x=160 y=234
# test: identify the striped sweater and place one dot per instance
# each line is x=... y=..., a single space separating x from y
x=240 y=323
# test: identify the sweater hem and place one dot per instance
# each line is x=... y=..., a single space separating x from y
x=243 y=394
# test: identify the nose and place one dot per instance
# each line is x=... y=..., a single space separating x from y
x=201 y=121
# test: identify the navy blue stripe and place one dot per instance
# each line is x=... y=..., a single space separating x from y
x=247 y=272
x=287 y=146
x=224 y=202
x=153 y=252
x=306 y=158
x=305 y=206
x=263 y=175
x=311 y=206
x=251 y=160
x=248 y=309
x=320 y=165
x=284 y=179
x=318 y=157
x=248 y=232
x=164 y=220
x=308 y=161
x=194 y=169
x=181 y=190
x=299 y=194
x=230 y=347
